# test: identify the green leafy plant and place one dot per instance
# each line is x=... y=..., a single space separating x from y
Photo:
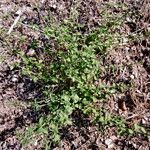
x=69 y=70
x=68 y=73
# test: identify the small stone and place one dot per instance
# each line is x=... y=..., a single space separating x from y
x=14 y=78
x=132 y=76
x=143 y=121
x=42 y=1
x=108 y=142
x=111 y=146
x=18 y=12
x=134 y=145
x=31 y=52
x=127 y=49
x=117 y=61
x=128 y=19
x=35 y=143
x=125 y=40
x=54 y=6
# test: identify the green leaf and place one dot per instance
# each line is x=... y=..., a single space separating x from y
x=75 y=98
x=41 y=121
x=42 y=130
x=143 y=129
x=130 y=131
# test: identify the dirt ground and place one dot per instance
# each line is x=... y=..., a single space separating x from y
x=131 y=60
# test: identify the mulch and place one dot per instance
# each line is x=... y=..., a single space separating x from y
x=132 y=68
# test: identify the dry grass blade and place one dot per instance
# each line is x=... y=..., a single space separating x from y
x=19 y=13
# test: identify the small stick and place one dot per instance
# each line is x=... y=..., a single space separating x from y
x=19 y=12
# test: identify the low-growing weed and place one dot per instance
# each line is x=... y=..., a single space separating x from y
x=69 y=69
x=68 y=72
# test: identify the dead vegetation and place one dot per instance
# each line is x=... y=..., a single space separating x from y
x=128 y=65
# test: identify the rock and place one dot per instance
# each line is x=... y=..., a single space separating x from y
x=125 y=40
x=128 y=19
x=31 y=52
x=132 y=76
x=35 y=143
x=14 y=78
x=111 y=146
x=144 y=120
x=109 y=143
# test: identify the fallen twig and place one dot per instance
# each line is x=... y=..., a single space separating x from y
x=19 y=13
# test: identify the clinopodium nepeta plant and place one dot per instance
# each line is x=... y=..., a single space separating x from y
x=68 y=68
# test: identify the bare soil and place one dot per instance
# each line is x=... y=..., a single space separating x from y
x=132 y=67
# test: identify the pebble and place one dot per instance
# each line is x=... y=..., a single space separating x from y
x=109 y=143
x=14 y=78
x=134 y=145
x=127 y=49
x=143 y=121
x=132 y=76
x=128 y=19
x=111 y=146
x=31 y=52
x=117 y=61
x=125 y=40
x=35 y=143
